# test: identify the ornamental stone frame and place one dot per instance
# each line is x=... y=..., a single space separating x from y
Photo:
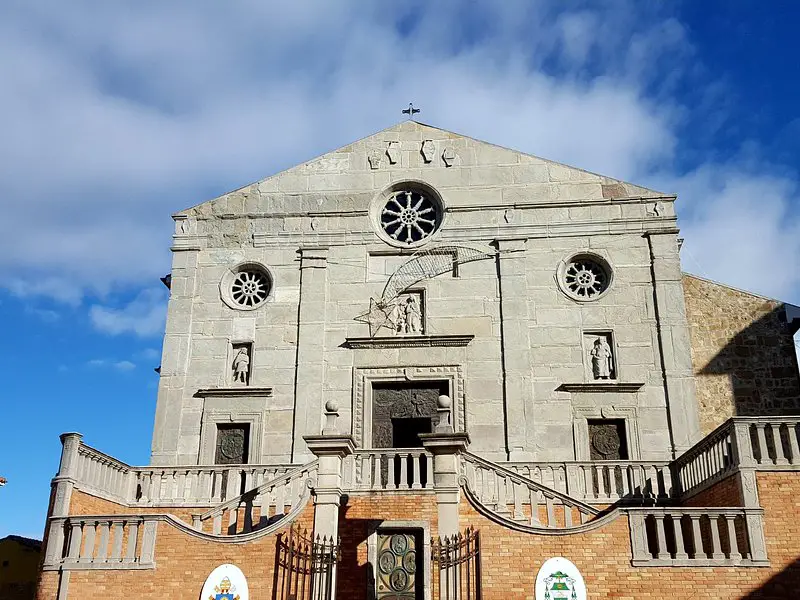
x=218 y=411
x=580 y=427
x=363 y=378
x=372 y=551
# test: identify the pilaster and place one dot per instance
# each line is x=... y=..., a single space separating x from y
x=516 y=354
x=674 y=343
x=446 y=449
x=309 y=376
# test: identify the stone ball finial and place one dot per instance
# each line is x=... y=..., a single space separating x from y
x=332 y=406
x=445 y=401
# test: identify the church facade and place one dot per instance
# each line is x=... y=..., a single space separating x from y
x=423 y=365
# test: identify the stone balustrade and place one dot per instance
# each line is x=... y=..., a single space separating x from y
x=202 y=485
x=389 y=469
x=511 y=496
x=261 y=506
x=697 y=537
x=602 y=482
x=764 y=443
x=105 y=542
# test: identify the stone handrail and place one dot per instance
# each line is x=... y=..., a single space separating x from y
x=282 y=497
x=602 y=482
x=105 y=542
x=198 y=485
x=389 y=469
x=764 y=443
x=511 y=496
x=100 y=473
x=697 y=537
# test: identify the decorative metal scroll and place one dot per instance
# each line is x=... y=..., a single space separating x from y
x=304 y=566
x=459 y=560
x=423 y=264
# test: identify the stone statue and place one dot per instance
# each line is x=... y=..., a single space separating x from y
x=601 y=359
x=397 y=318
x=241 y=366
x=413 y=316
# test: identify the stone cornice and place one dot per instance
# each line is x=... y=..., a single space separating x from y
x=408 y=341
x=234 y=392
x=598 y=386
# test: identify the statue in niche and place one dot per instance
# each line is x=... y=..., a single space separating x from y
x=397 y=317
x=602 y=359
x=413 y=316
x=241 y=366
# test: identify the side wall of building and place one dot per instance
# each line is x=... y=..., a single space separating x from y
x=743 y=353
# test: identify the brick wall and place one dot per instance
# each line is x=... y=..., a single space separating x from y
x=510 y=559
x=743 y=353
x=722 y=493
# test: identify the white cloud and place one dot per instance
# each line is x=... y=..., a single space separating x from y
x=117 y=117
x=143 y=316
x=148 y=354
x=104 y=363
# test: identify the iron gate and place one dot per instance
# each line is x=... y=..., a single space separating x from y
x=458 y=558
x=305 y=567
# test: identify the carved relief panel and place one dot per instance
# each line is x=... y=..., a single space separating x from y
x=398 y=566
x=232 y=444
x=407 y=314
x=607 y=439
x=403 y=410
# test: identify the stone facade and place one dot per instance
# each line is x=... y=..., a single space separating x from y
x=316 y=232
x=743 y=353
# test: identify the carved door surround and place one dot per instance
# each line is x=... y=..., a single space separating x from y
x=582 y=415
x=228 y=411
x=364 y=377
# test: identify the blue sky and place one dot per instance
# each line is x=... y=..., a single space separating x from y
x=115 y=115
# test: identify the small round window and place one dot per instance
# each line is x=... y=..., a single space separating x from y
x=584 y=277
x=408 y=215
x=246 y=286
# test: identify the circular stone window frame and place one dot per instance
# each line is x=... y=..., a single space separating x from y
x=411 y=185
x=601 y=260
x=226 y=284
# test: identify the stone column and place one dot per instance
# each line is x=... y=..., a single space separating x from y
x=310 y=368
x=674 y=343
x=331 y=448
x=446 y=447
x=63 y=484
x=517 y=369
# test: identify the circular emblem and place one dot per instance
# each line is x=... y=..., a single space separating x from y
x=232 y=446
x=606 y=441
x=399 y=544
x=398 y=580
x=250 y=288
x=386 y=561
x=410 y=561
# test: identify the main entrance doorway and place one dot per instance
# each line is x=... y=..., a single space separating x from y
x=403 y=410
x=400 y=570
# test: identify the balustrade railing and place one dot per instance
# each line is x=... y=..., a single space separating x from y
x=389 y=469
x=104 y=542
x=697 y=537
x=202 y=485
x=602 y=482
x=517 y=498
x=260 y=506
x=741 y=442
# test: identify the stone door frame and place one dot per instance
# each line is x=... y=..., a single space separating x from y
x=372 y=552
x=363 y=378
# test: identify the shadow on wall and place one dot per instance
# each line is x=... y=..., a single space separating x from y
x=743 y=353
x=761 y=365
x=781 y=586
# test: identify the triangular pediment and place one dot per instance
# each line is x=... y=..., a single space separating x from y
x=468 y=171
